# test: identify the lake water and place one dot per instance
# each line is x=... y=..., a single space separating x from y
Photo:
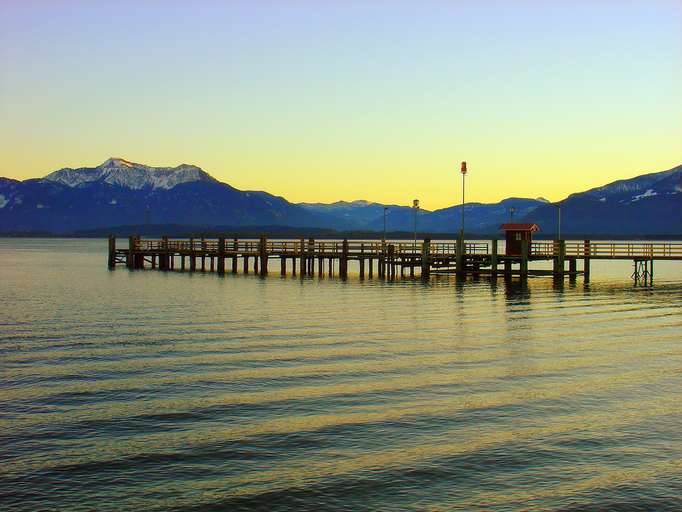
x=154 y=391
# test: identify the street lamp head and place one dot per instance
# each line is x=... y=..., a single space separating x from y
x=415 y=203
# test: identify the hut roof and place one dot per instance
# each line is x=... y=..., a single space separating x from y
x=533 y=228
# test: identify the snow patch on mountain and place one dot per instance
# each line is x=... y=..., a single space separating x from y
x=120 y=172
x=649 y=193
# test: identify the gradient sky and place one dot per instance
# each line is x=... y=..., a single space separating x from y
x=328 y=100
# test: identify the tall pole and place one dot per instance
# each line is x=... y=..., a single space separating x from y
x=558 y=222
x=464 y=172
x=415 y=207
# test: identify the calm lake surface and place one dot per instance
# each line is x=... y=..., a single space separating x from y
x=174 y=391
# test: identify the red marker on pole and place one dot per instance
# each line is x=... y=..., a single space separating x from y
x=464 y=167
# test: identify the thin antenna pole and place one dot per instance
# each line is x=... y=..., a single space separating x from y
x=463 y=176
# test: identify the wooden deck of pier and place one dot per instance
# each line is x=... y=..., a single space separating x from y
x=307 y=257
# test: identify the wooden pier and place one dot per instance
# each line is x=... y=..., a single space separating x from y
x=383 y=259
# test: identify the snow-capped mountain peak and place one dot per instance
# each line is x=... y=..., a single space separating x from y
x=123 y=173
x=119 y=162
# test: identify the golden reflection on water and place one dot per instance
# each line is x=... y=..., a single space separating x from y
x=284 y=384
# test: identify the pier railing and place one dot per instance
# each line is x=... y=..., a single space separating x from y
x=624 y=249
x=615 y=250
x=586 y=249
x=325 y=247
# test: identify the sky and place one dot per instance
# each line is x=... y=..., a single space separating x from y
x=342 y=100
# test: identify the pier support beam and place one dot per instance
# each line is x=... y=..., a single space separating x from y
x=459 y=256
x=203 y=254
x=221 y=256
x=263 y=253
x=235 y=247
x=493 y=257
x=111 y=262
x=391 y=261
x=587 y=249
x=311 y=257
x=192 y=256
x=163 y=256
x=559 y=258
x=343 y=262
x=130 y=257
x=303 y=257
x=524 y=258
x=426 y=259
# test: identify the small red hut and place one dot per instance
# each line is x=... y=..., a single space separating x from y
x=517 y=233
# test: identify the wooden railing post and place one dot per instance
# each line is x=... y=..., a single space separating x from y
x=493 y=256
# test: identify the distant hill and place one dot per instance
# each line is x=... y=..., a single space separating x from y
x=120 y=192
x=123 y=193
x=650 y=204
x=479 y=217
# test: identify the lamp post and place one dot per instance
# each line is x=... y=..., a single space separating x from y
x=463 y=170
x=385 y=211
x=415 y=207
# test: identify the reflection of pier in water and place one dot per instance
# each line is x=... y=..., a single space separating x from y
x=386 y=259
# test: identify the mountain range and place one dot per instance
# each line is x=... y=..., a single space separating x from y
x=119 y=192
